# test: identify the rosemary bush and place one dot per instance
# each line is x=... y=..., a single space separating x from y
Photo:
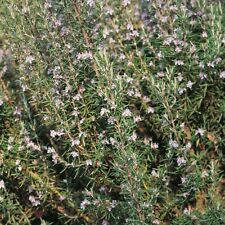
x=112 y=112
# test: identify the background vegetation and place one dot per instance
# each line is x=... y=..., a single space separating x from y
x=112 y=112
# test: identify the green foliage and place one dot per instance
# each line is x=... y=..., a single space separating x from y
x=112 y=112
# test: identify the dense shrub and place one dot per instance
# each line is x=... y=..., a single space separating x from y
x=112 y=112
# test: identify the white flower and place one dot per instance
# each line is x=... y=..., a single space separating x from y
x=126 y=113
x=2 y=184
x=1 y=102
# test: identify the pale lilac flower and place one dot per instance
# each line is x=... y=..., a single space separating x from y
x=64 y=32
x=211 y=64
x=180 y=77
x=181 y=161
x=204 y=174
x=90 y=2
x=106 y=32
x=186 y=211
x=183 y=179
x=17 y=162
x=204 y=34
x=122 y=56
x=190 y=84
x=2 y=184
x=202 y=76
x=47 y=5
x=109 y=10
x=200 y=131
x=154 y=145
x=75 y=112
x=88 y=162
x=54 y=133
x=50 y=150
x=74 y=154
x=57 y=23
x=173 y=144
x=178 y=49
x=133 y=137
x=111 y=120
x=126 y=2
x=75 y=142
x=179 y=62
x=137 y=119
x=160 y=74
x=181 y=90
x=77 y=97
x=146 y=141
x=112 y=141
x=62 y=198
x=29 y=59
x=154 y=173
x=84 y=203
x=34 y=201
x=217 y=60
x=126 y=113
x=168 y=41
x=102 y=189
x=192 y=49
x=105 y=222
x=104 y=111
x=156 y=221
x=84 y=55
x=130 y=26
x=188 y=146
x=222 y=75
x=150 y=109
